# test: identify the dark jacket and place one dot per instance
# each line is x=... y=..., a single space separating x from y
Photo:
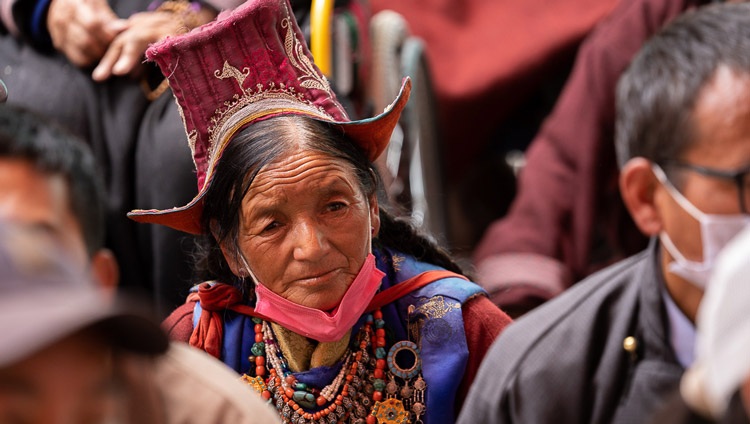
x=677 y=411
x=565 y=361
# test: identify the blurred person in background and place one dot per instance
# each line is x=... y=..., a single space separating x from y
x=49 y=184
x=48 y=180
x=63 y=336
x=80 y=64
x=568 y=219
x=612 y=348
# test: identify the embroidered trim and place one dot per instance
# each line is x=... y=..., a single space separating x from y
x=223 y=118
x=192 y=136
x=397 y=261
x=229 y=71
x=225 y=121
x=298 y=59
x=274 y=102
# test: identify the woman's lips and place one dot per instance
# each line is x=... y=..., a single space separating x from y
x=318 y=278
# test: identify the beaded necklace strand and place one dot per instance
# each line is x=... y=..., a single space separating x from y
x=339 y=401
x=355 y=395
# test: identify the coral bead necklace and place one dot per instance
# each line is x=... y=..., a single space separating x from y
x=344 y=399
x=359 y=392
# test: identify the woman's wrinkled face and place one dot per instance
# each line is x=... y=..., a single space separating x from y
x=305 y=228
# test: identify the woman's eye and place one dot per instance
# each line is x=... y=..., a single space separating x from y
x=270 y=227
x=336 y=206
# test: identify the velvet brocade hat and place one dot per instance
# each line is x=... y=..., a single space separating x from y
x=249 y=65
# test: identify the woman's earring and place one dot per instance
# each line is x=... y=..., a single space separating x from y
x=242 y=272
x=372 y=230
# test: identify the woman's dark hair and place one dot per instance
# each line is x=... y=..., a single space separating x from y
x=265 y=142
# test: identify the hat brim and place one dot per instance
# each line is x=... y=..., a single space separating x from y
x=372 y=134
x=43 y=316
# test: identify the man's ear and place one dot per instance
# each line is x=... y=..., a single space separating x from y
x=105 y=270
x=229 y=252
x=374 y=214
x=638 y=185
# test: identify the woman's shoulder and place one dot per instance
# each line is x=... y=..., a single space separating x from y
x=211 y=295
x=483 y=316
x=179 y=324
x=448 y=284
x=434 y=280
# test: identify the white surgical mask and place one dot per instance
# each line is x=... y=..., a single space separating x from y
x=716 y=232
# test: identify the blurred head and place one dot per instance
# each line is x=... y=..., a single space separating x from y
x=70 y=381
x=294 y=201
x=682 y=108
x=64 y=334
x=49 y=180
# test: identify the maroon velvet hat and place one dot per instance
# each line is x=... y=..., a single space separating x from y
x=249 y=65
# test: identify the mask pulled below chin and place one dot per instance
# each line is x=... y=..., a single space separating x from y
x=314 y=323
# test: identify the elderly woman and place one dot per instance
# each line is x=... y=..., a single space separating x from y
x=329 y=307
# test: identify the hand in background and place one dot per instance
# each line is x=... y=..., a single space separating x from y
x=126 y=52
x=82 y=29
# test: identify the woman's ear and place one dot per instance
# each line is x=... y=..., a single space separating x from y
x=638 y=186
x=231 y=256
x=229 y=250
x=374 y=214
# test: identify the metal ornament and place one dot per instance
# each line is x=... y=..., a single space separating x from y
x=395 y=368
x=256 y=383
x=390 y=411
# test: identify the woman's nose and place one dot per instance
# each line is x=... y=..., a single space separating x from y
x=309 y=242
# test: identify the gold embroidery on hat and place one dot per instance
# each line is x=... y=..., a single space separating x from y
x=298 y=59
x=230 y=71
x=192 y=137
x=283 y=94
x=223 y=117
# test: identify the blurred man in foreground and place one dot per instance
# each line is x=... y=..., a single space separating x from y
x=70 y=353
x=63 y=336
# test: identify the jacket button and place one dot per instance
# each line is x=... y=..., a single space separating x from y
x=630 y=344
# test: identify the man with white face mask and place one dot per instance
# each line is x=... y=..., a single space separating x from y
x=619 y=341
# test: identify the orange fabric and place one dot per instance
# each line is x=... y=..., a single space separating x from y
x=214 y=299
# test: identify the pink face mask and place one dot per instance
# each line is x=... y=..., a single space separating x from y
x=314 y=323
